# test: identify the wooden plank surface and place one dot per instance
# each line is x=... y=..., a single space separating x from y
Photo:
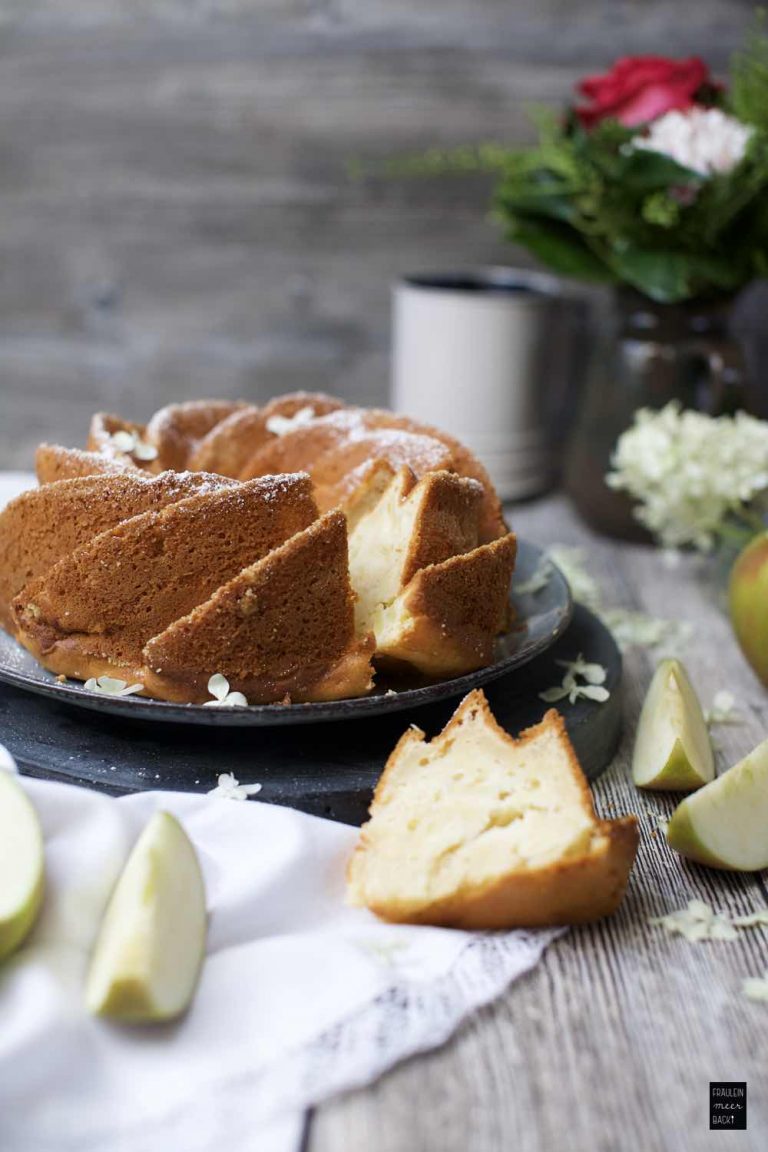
x=177 y=215
x=610 y=1044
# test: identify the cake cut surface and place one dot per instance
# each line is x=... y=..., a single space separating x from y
x=478 y=830
x=412 y=524
x=445 y=621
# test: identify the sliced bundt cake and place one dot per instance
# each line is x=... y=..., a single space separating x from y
x=41 y=526
x=412 y=525
x=283 y=629
x=445 y=621
x=477 y=830
x=93 y=612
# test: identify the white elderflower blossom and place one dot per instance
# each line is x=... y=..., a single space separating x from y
x=282 y=425
x=132 y=444
x=110 y=686
x=723 y=710
x=228 y=787
x=218 y=686
x=578 y=669
x=706 y=140
x=691 y=472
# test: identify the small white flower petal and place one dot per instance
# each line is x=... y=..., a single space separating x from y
x=143 y=451
x=552 y=695
x=123 y=441
x=233 y=700
x=756 y=988
x=131 y=690
x=752 y=920
x=228 y=787
x=218 y=686
x=111 y=686
x=594 y=692
x=282 y=425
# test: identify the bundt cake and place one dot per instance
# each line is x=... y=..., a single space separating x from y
x=139 y=557
x=477 y=830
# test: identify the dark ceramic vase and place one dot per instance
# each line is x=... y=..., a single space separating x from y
x=654 y=353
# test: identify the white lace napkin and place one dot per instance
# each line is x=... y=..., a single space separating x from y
x=300 y=997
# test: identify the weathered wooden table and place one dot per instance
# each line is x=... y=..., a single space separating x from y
x=611 y=1043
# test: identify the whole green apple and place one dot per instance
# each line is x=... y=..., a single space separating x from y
x=748 y=603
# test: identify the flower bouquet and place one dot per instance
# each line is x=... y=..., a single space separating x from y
x=655 y=178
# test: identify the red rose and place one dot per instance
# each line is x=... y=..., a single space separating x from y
x=640 y=88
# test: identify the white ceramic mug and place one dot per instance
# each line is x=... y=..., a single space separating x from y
x=480 y=355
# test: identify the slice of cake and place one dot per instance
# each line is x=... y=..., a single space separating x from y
x=282 y=629
x=412 y=525
x=477 y=830
x=93 y=612
x=445 y=621
x=41 y=526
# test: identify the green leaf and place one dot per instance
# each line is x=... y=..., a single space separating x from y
x=669 y=276
x=559 y=247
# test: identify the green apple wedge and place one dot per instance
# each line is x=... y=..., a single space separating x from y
x=672 y=747
x=22 y=865
x=748 y=603
x=151 y=944
x=725 y=824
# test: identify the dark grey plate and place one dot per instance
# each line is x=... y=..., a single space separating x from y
x=541 y=618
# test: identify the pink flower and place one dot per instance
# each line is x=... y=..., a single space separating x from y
x=638 y=89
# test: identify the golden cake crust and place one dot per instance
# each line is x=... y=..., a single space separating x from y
x=93 y=612
x=41 y=526
x=232 y=443
x=176 y=430
x=283 y=629
x=54 y=462
x=446 y=620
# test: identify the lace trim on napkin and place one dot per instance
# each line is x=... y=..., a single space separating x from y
x=408 y=1018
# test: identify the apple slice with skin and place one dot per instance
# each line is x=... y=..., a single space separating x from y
x=151 y=943
x=22 y=864
x=725 y=824
x=672 y=747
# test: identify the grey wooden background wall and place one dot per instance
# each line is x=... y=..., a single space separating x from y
x=177 y=217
